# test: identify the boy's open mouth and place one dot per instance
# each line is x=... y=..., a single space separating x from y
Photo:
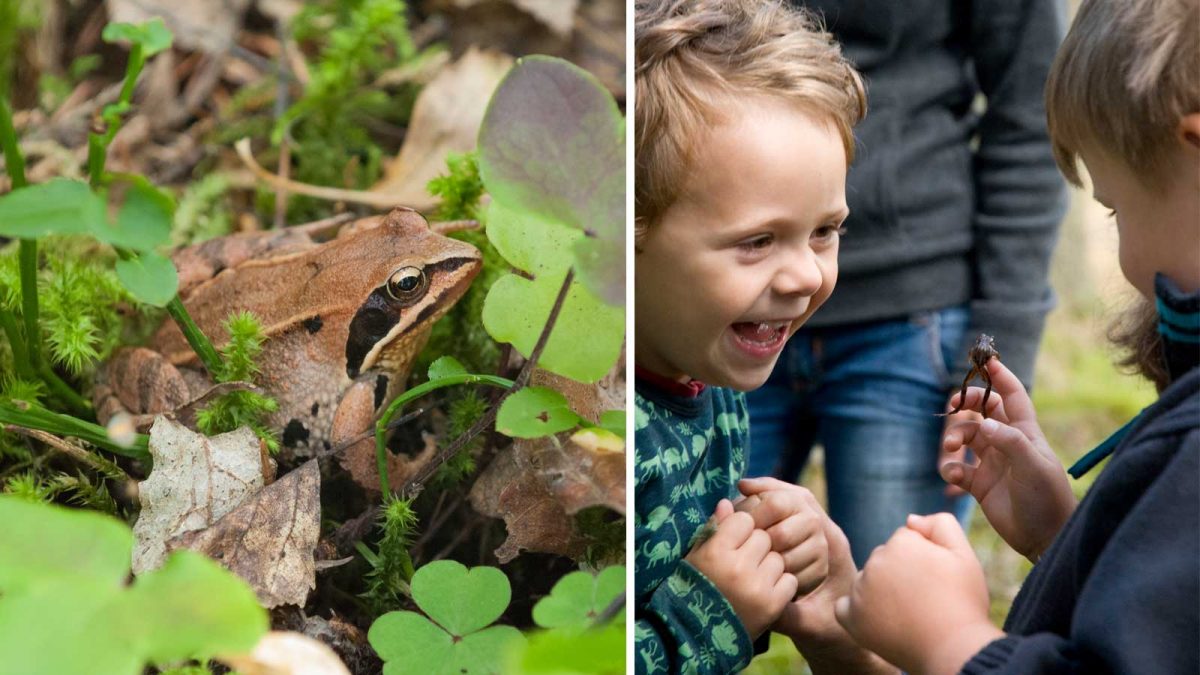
x=761 y=338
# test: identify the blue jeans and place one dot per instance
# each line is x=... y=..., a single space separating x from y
x=869 y=393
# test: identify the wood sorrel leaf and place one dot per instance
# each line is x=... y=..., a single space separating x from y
x=533 y=412
x=58 y=206
x=150 y=277
x=462 y=602
x=445 y=367
x=64 y=606
x=144 y=220
x=579 y=597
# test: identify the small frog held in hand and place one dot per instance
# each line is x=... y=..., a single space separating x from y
x=981 y=352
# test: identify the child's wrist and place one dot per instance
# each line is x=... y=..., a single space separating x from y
x=948 y=656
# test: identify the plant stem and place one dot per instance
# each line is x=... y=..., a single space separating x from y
x=29 y=301
x=197 y=339
x=98 y=142
x=20 y=357
x=14 y=163
x=36 y=417
x=418 y=479
x=64 y=392
x=381 y=426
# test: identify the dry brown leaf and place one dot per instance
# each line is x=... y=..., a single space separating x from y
x=196 y=480
x=269 y=539
x=535 y=518
x=445 y=119
x=285 y=653
x=206 y=25
x=581 y=469
x=559 y=15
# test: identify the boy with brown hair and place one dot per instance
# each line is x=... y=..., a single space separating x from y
x=743 y=122
x=1116 y=582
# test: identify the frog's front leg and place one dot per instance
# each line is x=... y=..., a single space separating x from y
x=355 y=417
x=138 y=381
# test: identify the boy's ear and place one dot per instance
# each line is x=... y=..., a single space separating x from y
x=1189 y=130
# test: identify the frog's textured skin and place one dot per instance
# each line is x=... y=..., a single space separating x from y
x=343 y=319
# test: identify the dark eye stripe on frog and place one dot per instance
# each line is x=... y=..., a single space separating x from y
x=381 y=312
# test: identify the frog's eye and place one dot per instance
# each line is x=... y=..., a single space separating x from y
x=406 y=284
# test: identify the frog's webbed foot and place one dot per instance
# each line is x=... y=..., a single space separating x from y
x=138 y=381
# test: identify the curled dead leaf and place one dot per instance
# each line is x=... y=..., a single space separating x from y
x=286 y=653
x=269 y=539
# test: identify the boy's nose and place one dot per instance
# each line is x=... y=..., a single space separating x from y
x=799 y=275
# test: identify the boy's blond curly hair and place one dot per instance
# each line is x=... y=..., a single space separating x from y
x=1126 y=74
x=695 y=57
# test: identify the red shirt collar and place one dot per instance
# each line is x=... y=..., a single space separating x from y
x=689 y=389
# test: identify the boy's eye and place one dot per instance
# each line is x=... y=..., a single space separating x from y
x=756 y=243
x=828 y=231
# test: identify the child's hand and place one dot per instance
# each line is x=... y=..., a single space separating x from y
x=738 y=560
x=1018 y=481
x=792 y=517
x=921 y=601
x=810 y=622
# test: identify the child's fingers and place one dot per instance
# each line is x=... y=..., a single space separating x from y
x=974 y=399
x=794 y=530
x=1007 y=439
x=733 y=531
x=942 y=529
x=784 y=591
x=843 y=612
x=757 y=546
x=958 y=474
x=753 y=486
x=776 y=506
x=723 y=510
x=811 y=575
x=1016 y=400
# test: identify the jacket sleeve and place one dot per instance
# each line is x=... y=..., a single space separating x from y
x=1139 y=607
x=687 y=626
x=1020 y=197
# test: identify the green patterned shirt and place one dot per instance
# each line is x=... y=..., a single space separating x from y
x=689 y=454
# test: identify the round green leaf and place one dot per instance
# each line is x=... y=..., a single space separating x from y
x=533 y=412
x=410 y=643
x=558 y=652
x=150 y=277
x=39 y=542
x=144 y=221
x=445 y=367
x=192 y=606
x=460 y=600
x=586 y=339
x=552 y=142
x=58 y=206
x=614 y=421
x=579 y=597
x=529 y=242
x=66 y=626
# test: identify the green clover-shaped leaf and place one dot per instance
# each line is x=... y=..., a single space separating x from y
x=153 y=35
x=456 y=639
x=560 y=652
x=65 y=608
x=58 y=206
x=533 y=412
x=445 y=367
x=144 y=220
x=579 y=597
x=150 y=277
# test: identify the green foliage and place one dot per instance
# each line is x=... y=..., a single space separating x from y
x=613 y=421
x=551 y=154
x=459 y=190
x=202 y=213
x=605 y=532
x=462 y=413
x=82 y=491
x=240 y=408
x=533 y=412
x=29 y=487
x=457 y=637
x=391 y=564
x=552 y=145
x=152 y=36
x=360 y=39
x=62 y=582
x=578 y=599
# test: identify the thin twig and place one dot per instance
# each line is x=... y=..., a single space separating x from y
x=614 y=608
x=102 y=466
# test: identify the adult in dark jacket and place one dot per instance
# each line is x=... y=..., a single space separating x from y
x=954 y=208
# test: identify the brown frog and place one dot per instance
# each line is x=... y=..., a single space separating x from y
x=981 y=352
x=343 y=322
